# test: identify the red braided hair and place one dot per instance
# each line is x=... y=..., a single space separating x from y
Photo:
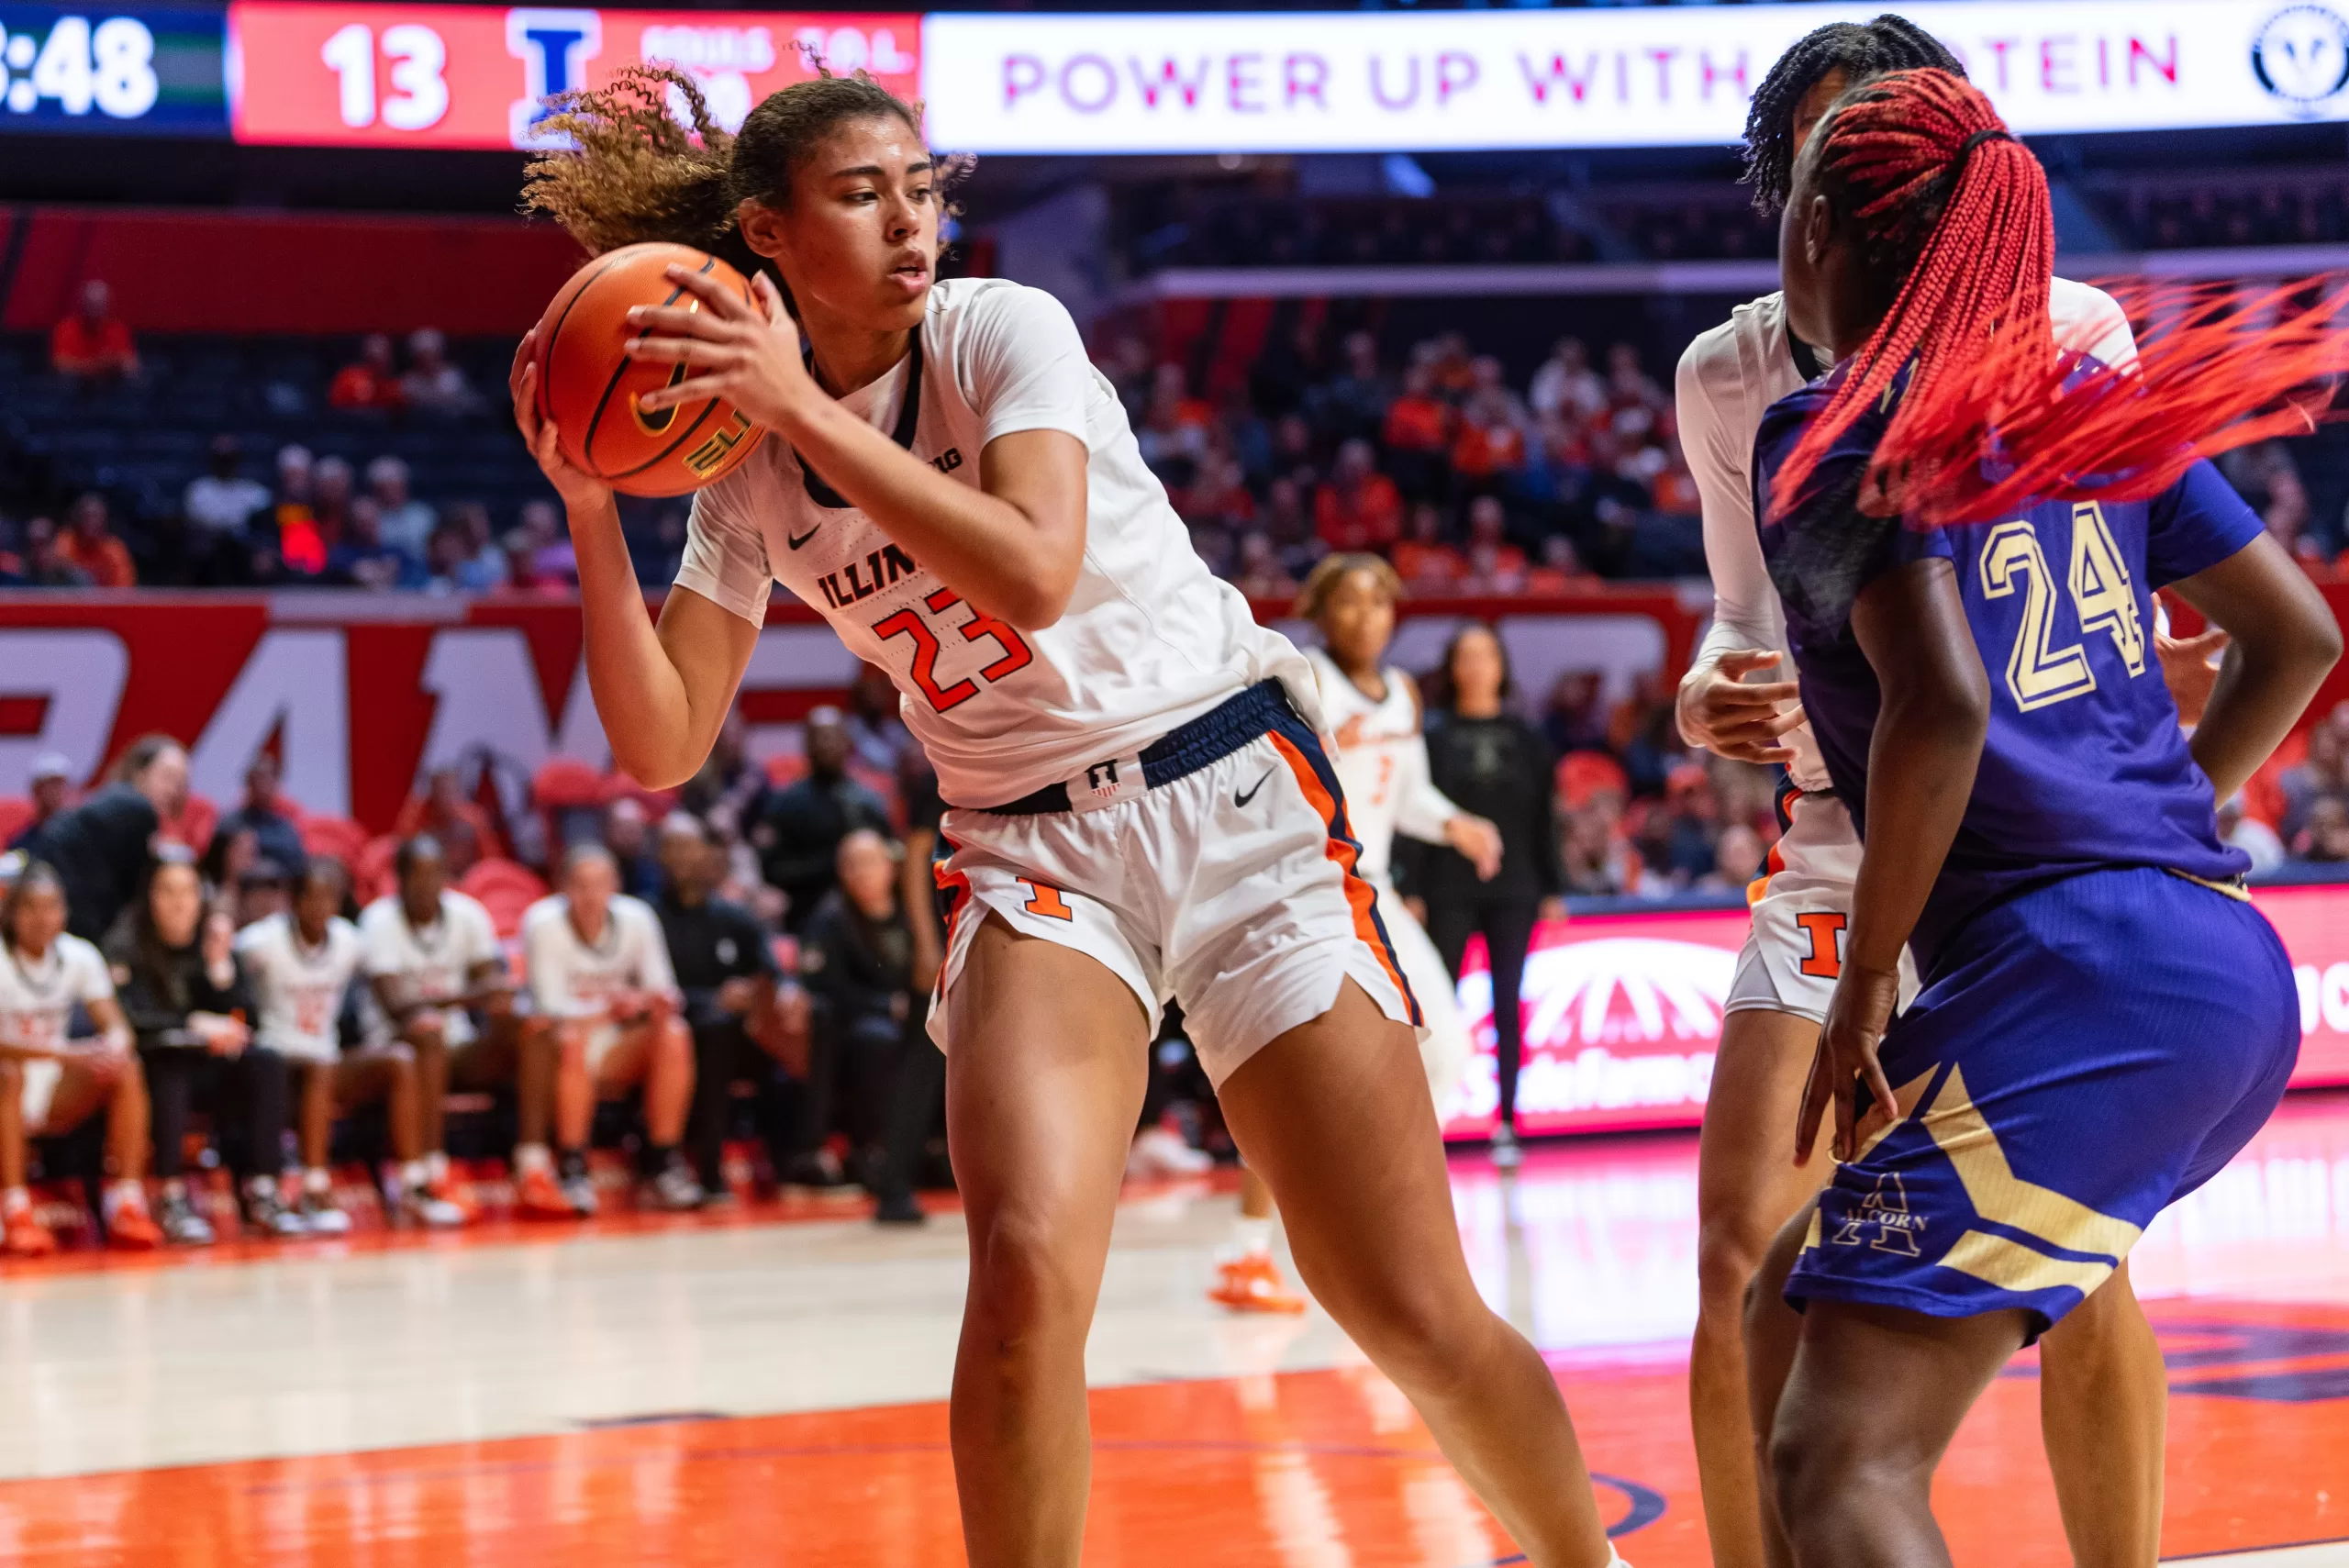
x=1934 y=183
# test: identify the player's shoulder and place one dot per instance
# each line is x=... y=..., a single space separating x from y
x=261 y=933
x=631 y=910
x=80 y=954
x=2071 y=302
x=382 y=913
x=967 y=303
x=341 y=931
x=547 y=911
x=1718 y=358
x=1401 y=680
x=464 y=907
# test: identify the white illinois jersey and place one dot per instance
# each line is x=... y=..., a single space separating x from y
x=572 y=979
x=435 y=959
x=1727 y=380
x=297 y=988
x=38 y=995
x=1150 y=640
x=1381 y=761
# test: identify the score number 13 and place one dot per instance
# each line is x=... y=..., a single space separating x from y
x=418 y=96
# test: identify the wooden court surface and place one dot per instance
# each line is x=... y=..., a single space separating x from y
x=1252 y=1443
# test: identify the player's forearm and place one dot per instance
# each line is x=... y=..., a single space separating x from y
x=996 y=556
x=1922 y=762
x=639 y=696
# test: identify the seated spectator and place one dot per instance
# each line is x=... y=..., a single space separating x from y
x=92 y=344
x=628 y=836
x=797 y=829
x=89 y=545
x=276 y=834
x=1565 y=387
x=407 y=522
x=602 y=989
x=300 y=964
x=1575 y=719
x=2239 y=830
x=370 y=381
x=46 y=564
x=1494 y=566
x=1286 y=523
x=1259 y=574
x=1359 y=509
x=864 y=1023
x=332 y=493
x=1357 y=399
x=363 y=558
x=1629 y=386
x=1561 y=570
x=877 y=737
x=1418 y=435
x=553 y=563
x=100 y=848
x=1220 y=498
x=2322 y=770
x=1425 y=563
x=728 y=775
x=445 y=558
x=1173 y=433
x=482 y=568
x=220 y=502
x=187 y=1001
x=433 y=384
x=2325 y=836
x=1737 y=860
x=299 y=549
x=727 y=973
x=439 y=977
x=50 y=786
x=461 y=831
x=51 y=1082
x=1677 y=836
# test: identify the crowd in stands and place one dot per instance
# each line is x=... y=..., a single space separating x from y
x=1469 y=484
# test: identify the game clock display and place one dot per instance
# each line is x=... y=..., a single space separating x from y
x=81 y=70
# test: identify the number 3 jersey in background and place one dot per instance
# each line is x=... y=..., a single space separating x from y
x=2084 y=765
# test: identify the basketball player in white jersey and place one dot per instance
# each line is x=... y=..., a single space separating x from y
x=602 y=988
x=2102 y=1388
x=1373 y=713
x=1141 y=807
x=300 y=964
x=51 y=1083
x=433 y=959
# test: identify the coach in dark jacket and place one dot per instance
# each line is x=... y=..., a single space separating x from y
x=729 y=975
x=100 y=847
x=797 y=829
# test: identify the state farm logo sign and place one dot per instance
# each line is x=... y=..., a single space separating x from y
x=1620 y=1029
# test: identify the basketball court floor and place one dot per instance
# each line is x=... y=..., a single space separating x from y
x=742 y=1390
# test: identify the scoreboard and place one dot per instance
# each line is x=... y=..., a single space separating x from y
x=477 y=76
x=156 y=72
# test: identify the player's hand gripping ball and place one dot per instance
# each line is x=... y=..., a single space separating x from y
x=609 y=428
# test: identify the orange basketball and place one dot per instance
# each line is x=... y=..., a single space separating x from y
x=589 y=387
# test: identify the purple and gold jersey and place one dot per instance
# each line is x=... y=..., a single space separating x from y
x=2084 y=765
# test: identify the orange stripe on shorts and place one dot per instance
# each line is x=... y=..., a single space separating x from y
x=1359 y=894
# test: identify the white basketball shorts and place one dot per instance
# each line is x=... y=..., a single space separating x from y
x=1443 y=1036
x=1215 y=868
x=1801 y=907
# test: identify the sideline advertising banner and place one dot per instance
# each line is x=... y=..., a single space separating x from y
x=477 y=76
x=1326 y=81
x=1623 y=1013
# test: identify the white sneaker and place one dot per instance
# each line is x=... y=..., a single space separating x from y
x=580 y=1192
x=1506 y=1154
x=321 y=1218
x=434 y=1213
x=676 y=1190
x=1159 y=1152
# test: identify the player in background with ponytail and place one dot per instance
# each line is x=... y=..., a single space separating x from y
x=1139 y=805
x=2104 y=1019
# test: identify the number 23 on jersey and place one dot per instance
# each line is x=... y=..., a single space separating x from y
x=981 y=626
x=2038 y=671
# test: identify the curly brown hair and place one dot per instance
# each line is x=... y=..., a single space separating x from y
x=634 y=173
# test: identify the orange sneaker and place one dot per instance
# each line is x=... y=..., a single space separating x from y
x=538 y=1196
x=1253 y=1283
x=27 y=1237
x=457 y=1195
x=133 y=1230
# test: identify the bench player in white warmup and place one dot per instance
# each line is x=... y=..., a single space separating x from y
x=1373 y=711
x=1141 y=806
x=2102 y=1384
x=602 y=989
x=49 y=1082
x=301 y=964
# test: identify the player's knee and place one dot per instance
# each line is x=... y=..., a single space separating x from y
x=1420 y=1334
x=428 y=1036
x=1023 y=1285
x=1729 y=1253
x=1819 y=1465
